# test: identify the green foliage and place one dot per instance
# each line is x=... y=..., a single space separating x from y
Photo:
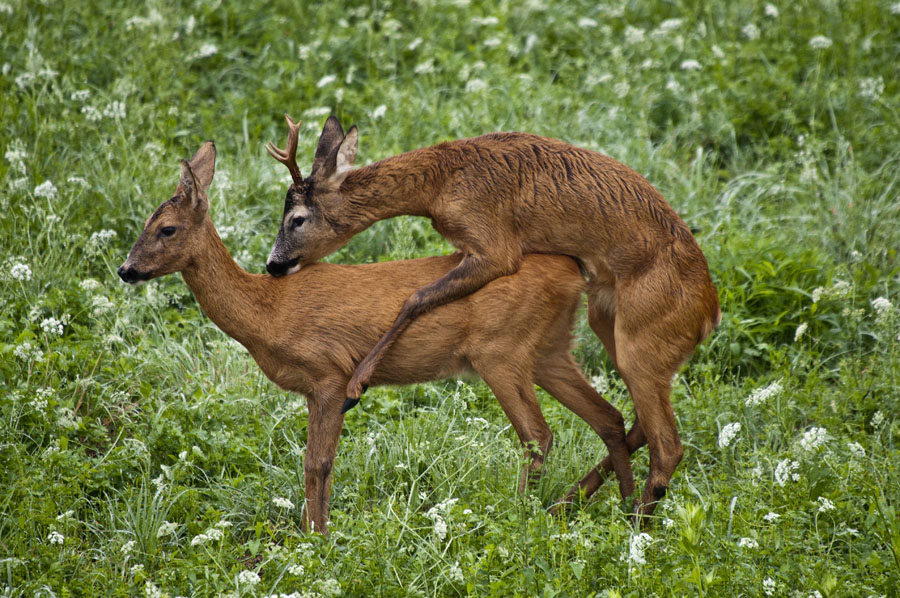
x=142 y=452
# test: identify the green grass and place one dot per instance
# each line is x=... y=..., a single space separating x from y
x=140 y=428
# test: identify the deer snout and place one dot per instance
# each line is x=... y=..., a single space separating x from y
x=281 y=268
x=130 y=275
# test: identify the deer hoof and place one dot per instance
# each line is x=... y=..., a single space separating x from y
x=349 y=404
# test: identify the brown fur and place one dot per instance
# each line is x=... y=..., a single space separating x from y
x=308 y=331
x=500 y=196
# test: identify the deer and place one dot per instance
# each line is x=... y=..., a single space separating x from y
x=496 y=198
x=307 y=331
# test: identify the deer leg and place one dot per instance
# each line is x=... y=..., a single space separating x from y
x=562 y=379
x=472 y=273
x=519 y=402
x=649 y=385
x=325 y=422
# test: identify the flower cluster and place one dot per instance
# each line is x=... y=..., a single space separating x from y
x=728 y=433
x=761 y=395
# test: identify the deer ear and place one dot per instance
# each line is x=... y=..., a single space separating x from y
x=203 y=165
x=340 y=162
x=331 y=137
x=189 y=188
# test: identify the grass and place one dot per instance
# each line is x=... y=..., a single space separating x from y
x=144 y=453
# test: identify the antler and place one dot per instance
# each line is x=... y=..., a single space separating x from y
x=288 y=156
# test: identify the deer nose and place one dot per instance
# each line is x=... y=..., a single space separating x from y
x=276 y=268
x=127 y=275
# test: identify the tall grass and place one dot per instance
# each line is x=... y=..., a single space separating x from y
x=144 y=453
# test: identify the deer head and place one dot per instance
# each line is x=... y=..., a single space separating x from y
x=311 y=226
x=169 y=240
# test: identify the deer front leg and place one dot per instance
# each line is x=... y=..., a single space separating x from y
x=325 y=422
x=472 y=273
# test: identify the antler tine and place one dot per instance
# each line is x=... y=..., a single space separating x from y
x=288 y=156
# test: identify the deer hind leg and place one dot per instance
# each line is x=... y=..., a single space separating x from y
x=469 y=275
x=561 y=377
x=648 y=358
x=519 y=402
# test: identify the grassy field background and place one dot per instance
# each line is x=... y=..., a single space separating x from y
x=142 y=452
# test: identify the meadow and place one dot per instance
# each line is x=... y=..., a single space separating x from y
x=143 y=453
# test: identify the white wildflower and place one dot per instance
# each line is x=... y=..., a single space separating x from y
x=768 y=585
x=136 y=569
x=128 y=546
x=479 y=422
x=895 y=8
x=877 y=419
x=856 y=450
x=20 y=272
x=817 y=294
x=166 y=529
x=152 y=591
x=46 y=189
x=223 y=524
x=16 y=155
x=25 y=79
x=668 y=522
x=317 y=112
x=379 y=112
x=871 y=87
x=587 y=22
x=621 y=89
x=89 y=284
x=634 y=35
x=297 y=570
x=66 y=418
x=27 y=352
x=475 y=85
x=206 y=50
x=115 y=110
x=484 y=21
x=728 y=433
x=80 y=95
x=455 y=574
x=56 y=537
x=5 y=7
x=690 y=65
x=882 y=307
x=637 y=546
x=600 y=383
x=52 y=326
x=812 y=439
x=248 y=578
x=282 y=503
x=750 y=31
x=771 y=517
x=748 y=543
x=423 y=68
x=153 y=18
x=414 y=44
x=771 y=11
x=440 y=528
x=326 y=80
x=825 y=505
x=91 y=113
x=492 y=42
x=820 y=42
x=668 y=26
x=101 y=305
x=190 y=24
x=102 y=237
x=761 y=395
x=785 y=470
x=77 y=180
x=330 y=587
x=112 y=339
x=801 y=330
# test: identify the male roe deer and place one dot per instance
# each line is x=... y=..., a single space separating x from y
x=307 y=332
x=502 y=195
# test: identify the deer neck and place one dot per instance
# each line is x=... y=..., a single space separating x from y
x=394 y=186
x=233 y=299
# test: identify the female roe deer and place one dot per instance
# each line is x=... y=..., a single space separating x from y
x=308 y=331
x=498 y=197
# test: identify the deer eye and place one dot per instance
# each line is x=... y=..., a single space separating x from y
x=167 y=231
x=297 y=221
